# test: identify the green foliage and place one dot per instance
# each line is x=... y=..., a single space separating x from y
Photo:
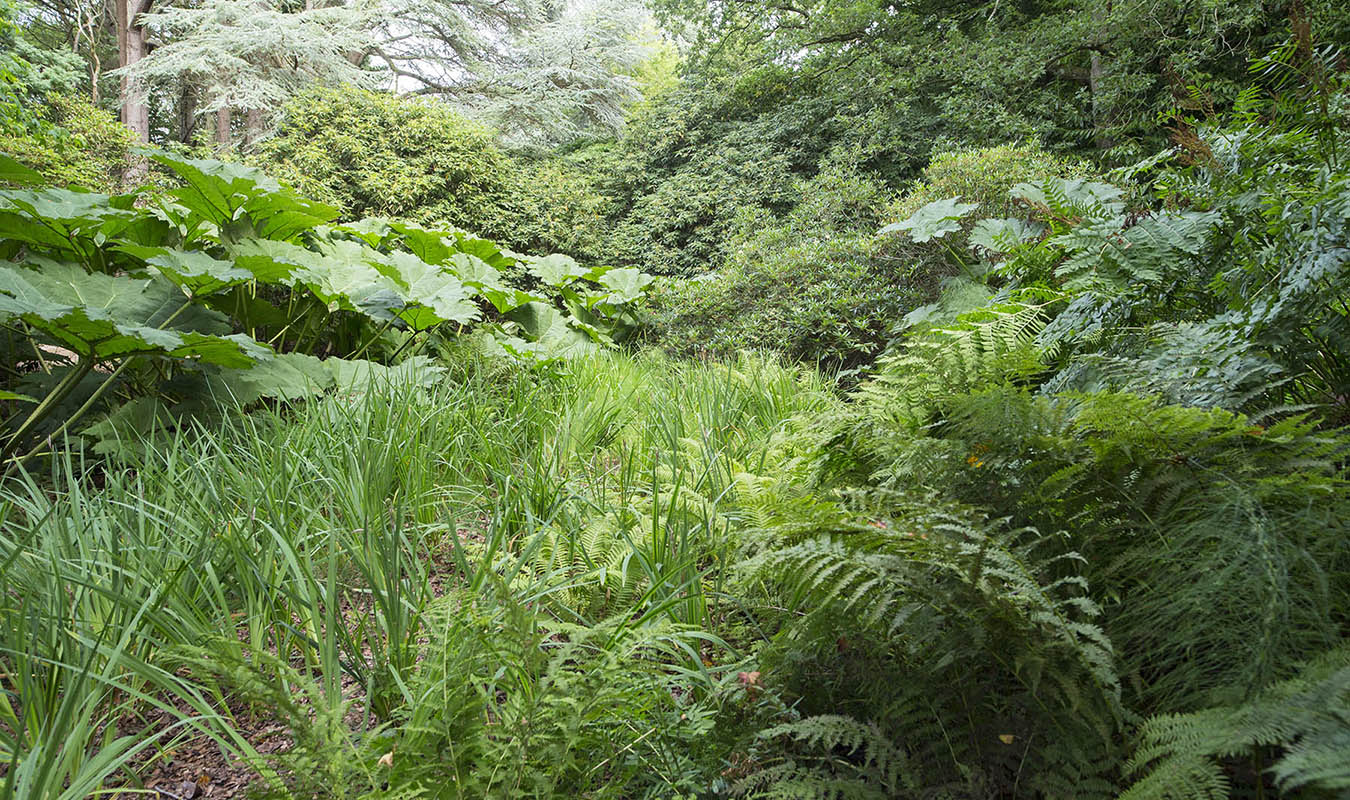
x=288 y=560
x=1200 y=550
x=382 y=155
x=1302 y=719
x=933 y=221
x=1079 y=530
x=817 y=286
x=984 y=175
x=820 y=285
x=850 y=759
x=72 y=142
x=112 y=298
x=379 y=155
x=691 y=162
x=991 y=346
x=995 y=625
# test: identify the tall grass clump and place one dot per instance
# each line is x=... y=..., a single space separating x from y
x=401 y=570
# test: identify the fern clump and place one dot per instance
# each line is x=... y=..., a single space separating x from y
x=969 y=619
x=1297 y=730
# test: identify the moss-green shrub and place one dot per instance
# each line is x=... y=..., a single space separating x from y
x=374 y=154
x=71 y=142
x=685 y=226
x=552 y=207
x=817 y=286
x=983 y=175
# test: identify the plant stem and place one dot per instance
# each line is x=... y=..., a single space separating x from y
x=372 y=340
x=48 y=404
x=79 y=412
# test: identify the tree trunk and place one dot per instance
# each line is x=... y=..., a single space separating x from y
x=253 y=125
x=1096 y=72
x=131 y=49
x=187 y=113
x=223 y=127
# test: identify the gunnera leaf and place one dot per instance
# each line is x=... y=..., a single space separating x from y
x=102 y=316
x=934 y=221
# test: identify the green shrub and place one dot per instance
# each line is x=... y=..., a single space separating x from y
x=697 y=157
x=72 y=142
x=685 y=225
x=372 y=154
x=820 y=286
x=815 y=286
x=553 y=208
x=984 y=175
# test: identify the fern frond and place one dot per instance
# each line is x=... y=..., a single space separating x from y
x=1306 y=717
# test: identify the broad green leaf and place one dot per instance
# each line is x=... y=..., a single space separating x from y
x=101 y=317
x=439 y=295
x=547 y=327
x=196 y=272
x=124 y=430
x=8 y=395
x=57 y=218
x=359 y=376
x=506 y=299
x=593 y=332
x=933 y=221
x=12 y=171
x=241 y=199
x=473 y=270
x=345 y=277
x=625 y=285
x=1003 y=235
x=153 y=302
x=371 y=230
x=285 y=376
x=430 y=245
x=271 y=261
x=556 y=270
x=496 y=257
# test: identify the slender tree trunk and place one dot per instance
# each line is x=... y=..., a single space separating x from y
x=253 y=125
x=130 y=50
x=223 y=127
x=1101 y=11
x=187 y=113
x=87 y=28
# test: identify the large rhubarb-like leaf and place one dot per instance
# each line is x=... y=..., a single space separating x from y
x=12 y=171
x=58 y=218
x=933 y=221
x=344 y=277
x=239 y=198
x=435 y=294
x=197 y=273
x=101 y=316
x=625 y=285
x=557 y=269
x=549 y=332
